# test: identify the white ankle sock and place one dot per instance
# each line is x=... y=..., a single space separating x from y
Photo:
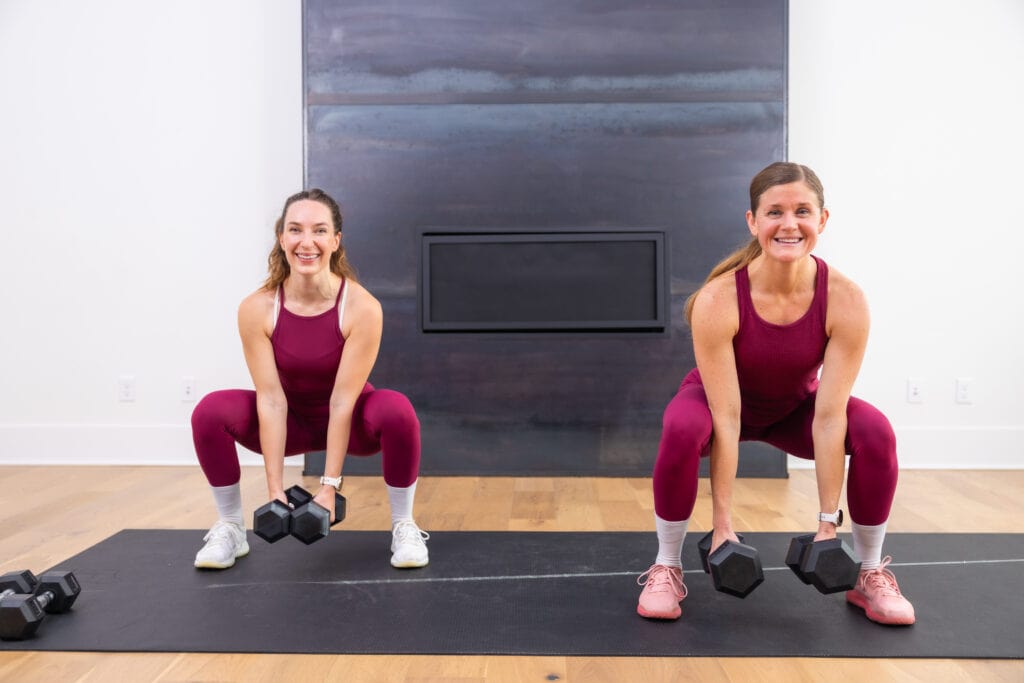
x=867 y=544
x=670 y=541
x=401 y=500
x=229 y=503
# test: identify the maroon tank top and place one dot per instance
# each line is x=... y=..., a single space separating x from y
x=778 y=365
x=307 y=350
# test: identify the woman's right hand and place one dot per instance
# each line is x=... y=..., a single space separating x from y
x=720 y=536
x=278 y=494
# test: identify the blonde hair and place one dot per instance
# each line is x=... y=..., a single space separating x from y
x=779 y=173
x=277 y=263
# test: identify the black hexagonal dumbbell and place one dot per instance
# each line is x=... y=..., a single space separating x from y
x=18 y=582
x=795 y=553
x=735 y=568
x=311 y=522
x=827 y=565
x=21 y=613
x=273 y=521
x=58 y=591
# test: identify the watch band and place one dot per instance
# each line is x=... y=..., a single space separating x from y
x=332 y=481
x=833 y=517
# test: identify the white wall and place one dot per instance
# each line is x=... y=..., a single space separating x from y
x=145 y=150
x=912 y=113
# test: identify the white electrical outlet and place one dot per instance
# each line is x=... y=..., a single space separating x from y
x=914 y=392
x=964 y=390
x=126 y=388
x=188 y=389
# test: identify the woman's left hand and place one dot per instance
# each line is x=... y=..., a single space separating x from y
x=325 y=498
x=826 y=531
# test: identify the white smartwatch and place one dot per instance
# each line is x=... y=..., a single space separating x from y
x=333 y=481
x=833 y=517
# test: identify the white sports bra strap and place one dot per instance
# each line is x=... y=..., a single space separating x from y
x=341 y=304
x=277 y=306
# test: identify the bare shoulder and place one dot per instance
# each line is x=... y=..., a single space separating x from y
x=844 y=292
x=718 y=293
x=715 y=307
x=256 y=311
x=362 y=307
x=847 y=304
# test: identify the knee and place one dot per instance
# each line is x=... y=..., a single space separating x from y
x=682 y=440
x=207 y=413
x=395 y=412
x=874 y=442
x=218 y=409
x=683 y=432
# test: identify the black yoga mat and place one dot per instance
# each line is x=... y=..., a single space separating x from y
x=522 y=593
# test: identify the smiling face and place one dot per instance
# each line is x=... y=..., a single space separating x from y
x=308 y=237
x=787 y=221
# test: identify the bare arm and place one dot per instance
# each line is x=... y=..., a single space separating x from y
x=847 y=326
x=363 y=323
x=255 y=324
x=715 y=322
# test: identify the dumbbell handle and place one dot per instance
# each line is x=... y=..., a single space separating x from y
x=44 y=598
x=6 y=593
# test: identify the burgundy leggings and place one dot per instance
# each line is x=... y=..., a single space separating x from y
x=383 y=421
x=686 y=438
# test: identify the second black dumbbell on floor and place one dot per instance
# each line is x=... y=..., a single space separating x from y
x=735 y=568
x=305 y=519
x=827 y=565
x=26 y=600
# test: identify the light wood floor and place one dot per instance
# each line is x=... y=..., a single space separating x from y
x=50 y=513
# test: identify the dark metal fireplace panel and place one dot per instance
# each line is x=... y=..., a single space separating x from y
x=475 y=120
x=543 y=282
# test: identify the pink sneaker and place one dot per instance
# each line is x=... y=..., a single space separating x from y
x=663 y=590
x=878 y=594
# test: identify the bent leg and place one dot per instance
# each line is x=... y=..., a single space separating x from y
x=215 y=420
x=874 y=468
x=384 y=421
x=685 y=437
x=871 y=445
x=219 y=420
x=223 y=418
x=871 y=487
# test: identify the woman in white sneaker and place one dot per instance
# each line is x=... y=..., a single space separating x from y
x=768 y=319
x=310 y=336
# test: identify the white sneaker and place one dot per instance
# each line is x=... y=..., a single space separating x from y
x=224 y=542
x=407 y=545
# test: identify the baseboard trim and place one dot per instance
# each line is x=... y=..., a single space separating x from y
x=975 y=448
x=952 y=448
x=106 y=444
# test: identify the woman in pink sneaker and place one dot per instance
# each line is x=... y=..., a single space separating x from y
x=310 y=336
x=767 y=320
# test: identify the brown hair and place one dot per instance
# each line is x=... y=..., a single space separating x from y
x=779 y=173
x=277 y=263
